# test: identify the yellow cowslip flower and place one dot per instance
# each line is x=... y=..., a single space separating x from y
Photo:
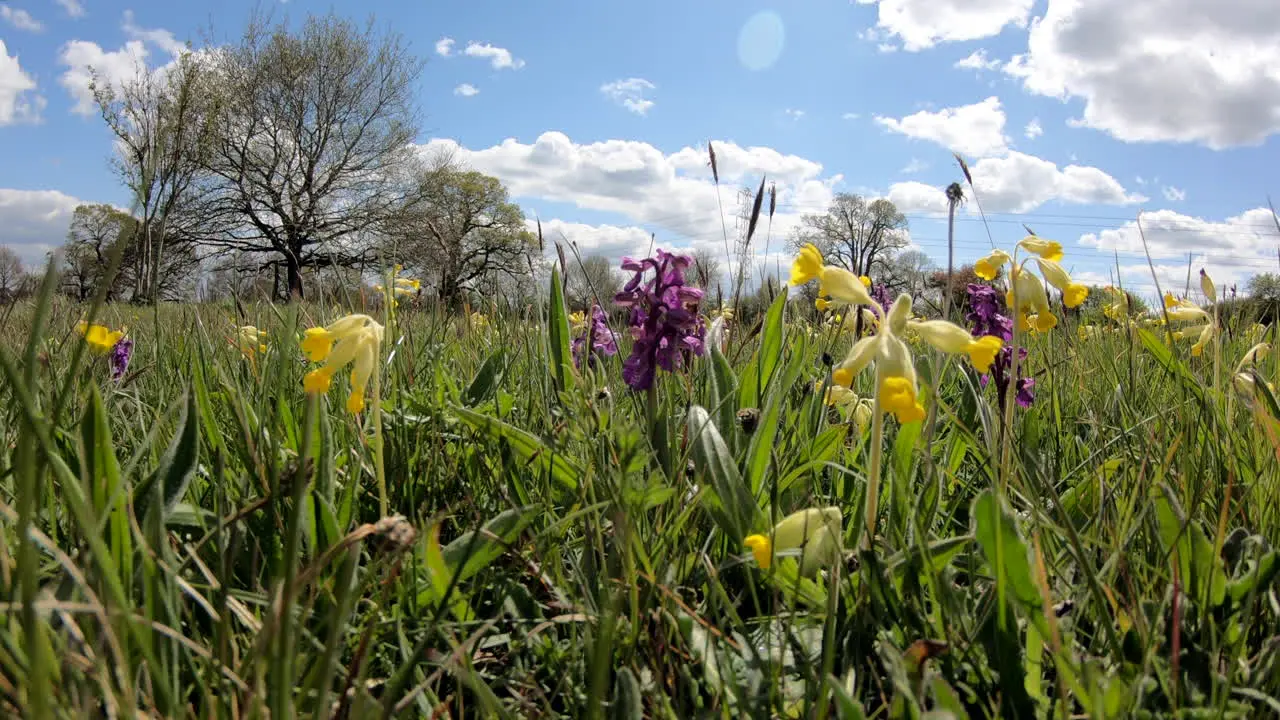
x=988 y=267
x=407 y=286
x=1073 y=293
x=866 y=281
x=1170 y=300
x=1046 y=249
x=251 y=340
x=1254 y=355
x=836 y=394
x=99 y=337
x=578 y=321
x=951 y=338
x=1185 y=311
x=1030 y=295
x=807 y=265
x=836 y=283
x=1206 y=286
x=842 y=286
x=1118 y=308
x=478 y=320
x=895 y=372
x=352 y=339
x=1206 y=335
x=822 y=304
x=815 y=532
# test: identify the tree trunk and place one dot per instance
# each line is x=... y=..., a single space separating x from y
x=294 y=273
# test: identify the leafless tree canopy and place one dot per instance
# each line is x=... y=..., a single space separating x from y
x=707 y=268
x=596 y=277
x=312 y=143
x=13 y=279
x=98 y=231
x=853 y=233
x=460 y=230
x=162 y=121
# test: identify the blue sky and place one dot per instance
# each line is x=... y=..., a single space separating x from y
x=1075 y=115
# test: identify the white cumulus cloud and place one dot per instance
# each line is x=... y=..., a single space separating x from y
x=19 y=18
x=975 y=130
x=1161 y=70
x=1033 y=129
x=499 y=58
x=33 y=222
x=73 y=8
x=922 y=24
x=1173 y=194
x=977 y=60
x=466 y=90
x=1020 y=183
x=18 y=100
x=83 y=58
x=630 y=94
x=444 y=46
x=671 y=193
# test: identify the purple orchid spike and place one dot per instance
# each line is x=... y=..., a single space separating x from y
x=663 y=320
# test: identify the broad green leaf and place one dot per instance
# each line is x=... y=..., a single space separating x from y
x=628 y=701
x=1005 y=551
x=525 y=445
x=177 y=464
x=737 y=508
x=561 y=359
x=471 y=552
x=724 y=393
x=486 y=379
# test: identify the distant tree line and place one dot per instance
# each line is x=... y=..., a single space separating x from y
x=284 y=164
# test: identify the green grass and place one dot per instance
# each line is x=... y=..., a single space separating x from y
x=204 y=540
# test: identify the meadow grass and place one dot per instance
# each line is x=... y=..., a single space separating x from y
x=203 y=539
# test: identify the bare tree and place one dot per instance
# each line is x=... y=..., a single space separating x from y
x=853 y=233
x=13 y=278
x=908 y=270
x=459 y=230
x=162 y=121
x=595 y=278
x=312 y=143
x=95 y=231
x=707 y=268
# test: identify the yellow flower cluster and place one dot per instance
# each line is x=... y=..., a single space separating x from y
x=251 y=340
x=815 y=533
x=1182 y=310
x=100 y=338
x=1028 y=289
x=841 y=397
x=352 y=339
x=895 y=371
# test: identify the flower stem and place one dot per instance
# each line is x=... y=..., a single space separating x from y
x=873 y=476
x=379 y=467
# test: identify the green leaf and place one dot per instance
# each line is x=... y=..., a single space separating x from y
x=561 y=359
x=770 y=351
x=100 y=470
x=628 y=703
x=737 y=508
x=526 y=446
x=724 y=390
x=471 y=552
x=1258 y=576
x=486 y=379
x=1006 y=552
x=177 y=464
